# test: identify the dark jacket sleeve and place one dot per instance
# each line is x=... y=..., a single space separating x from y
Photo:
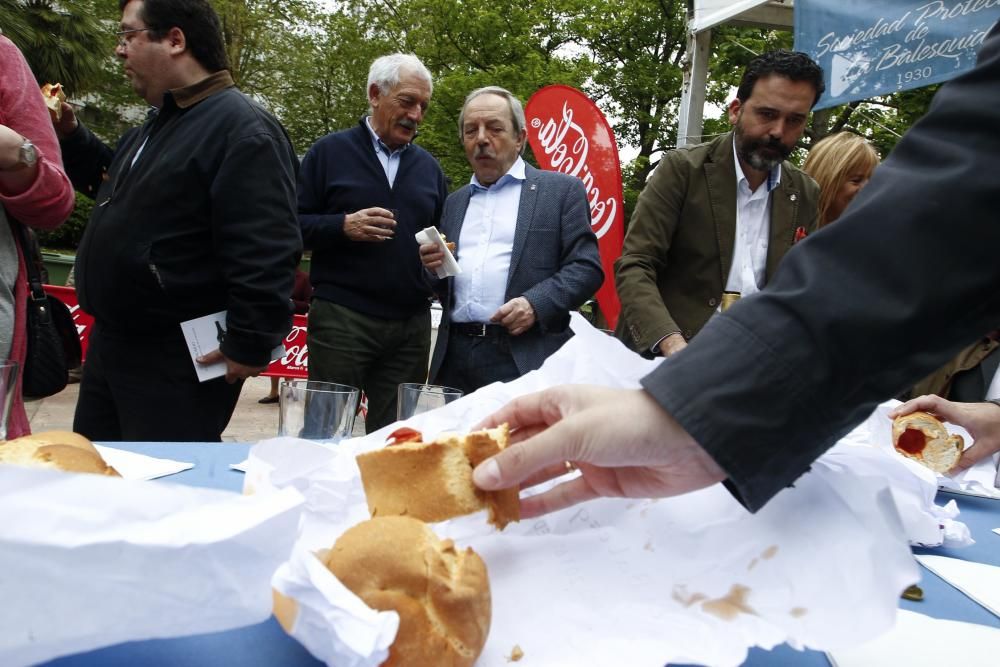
x=645 y=253
x=257 y=241
x=861 y=309
x=87 y=159
x=319 y=227
x=579 y=274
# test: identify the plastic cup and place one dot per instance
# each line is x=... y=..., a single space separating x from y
x=412 y=398
x=316 y=410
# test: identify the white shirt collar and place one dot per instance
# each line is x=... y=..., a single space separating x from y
x=773 y=177
x=515 y=173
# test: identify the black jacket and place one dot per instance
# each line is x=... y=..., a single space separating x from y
x=204 y=221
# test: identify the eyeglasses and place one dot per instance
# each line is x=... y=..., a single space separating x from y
x=123 y=39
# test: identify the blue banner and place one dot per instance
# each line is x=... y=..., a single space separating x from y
x=869 y=48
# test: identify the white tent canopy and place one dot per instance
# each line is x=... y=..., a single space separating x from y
x=703 y=15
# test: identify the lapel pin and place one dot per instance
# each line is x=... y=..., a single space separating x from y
x=533 y=186
x=793 y=196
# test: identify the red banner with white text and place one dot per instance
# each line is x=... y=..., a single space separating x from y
x=568 y=133
x=293 y=364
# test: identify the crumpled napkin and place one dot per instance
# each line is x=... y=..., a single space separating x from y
x=974 y=481
x=689 y=579
x=92 y=561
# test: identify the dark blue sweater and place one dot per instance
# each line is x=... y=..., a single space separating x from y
x=341 y=174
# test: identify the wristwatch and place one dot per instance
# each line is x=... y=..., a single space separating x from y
x=27 y=156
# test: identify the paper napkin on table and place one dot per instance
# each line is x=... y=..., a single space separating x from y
x=132 y=465
x=922 y=641
x=91 y=560
x=694 y=578
x=979 y=581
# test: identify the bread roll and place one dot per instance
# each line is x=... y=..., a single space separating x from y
x=54 y=97
x=59 y=450
x=442 y=594
x=432 y=481
x=923 y=438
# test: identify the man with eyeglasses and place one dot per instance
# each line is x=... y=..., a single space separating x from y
x=364 y=193
x=194 y=214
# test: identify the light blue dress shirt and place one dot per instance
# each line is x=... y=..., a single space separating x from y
x=485 y=246
x=389 y=159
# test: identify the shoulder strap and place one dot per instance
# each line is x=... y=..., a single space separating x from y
x=33 y=275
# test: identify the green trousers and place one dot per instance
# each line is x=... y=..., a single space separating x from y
x=370 y=353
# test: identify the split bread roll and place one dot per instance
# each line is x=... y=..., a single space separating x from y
x=923 y=438
x=57 y=450
x=432 y=481
x=54 y=97
x=442 y=595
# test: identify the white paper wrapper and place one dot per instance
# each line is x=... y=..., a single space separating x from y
x=975 y=481
x=449 y=267
x=621 y=581
x=132 y=465
x=91 y=561
x=912 y=485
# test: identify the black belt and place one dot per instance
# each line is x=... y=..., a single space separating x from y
x=479 y=330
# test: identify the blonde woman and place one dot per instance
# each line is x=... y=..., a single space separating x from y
x=841 y=165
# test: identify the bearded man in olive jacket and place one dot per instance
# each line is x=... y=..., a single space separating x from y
x=718 y=217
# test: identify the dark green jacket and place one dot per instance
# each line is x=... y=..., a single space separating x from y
x=679 y=245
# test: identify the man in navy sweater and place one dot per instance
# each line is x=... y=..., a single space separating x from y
x=363 y=194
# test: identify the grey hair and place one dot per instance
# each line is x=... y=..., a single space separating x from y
x=516 y=110
x=386 y=71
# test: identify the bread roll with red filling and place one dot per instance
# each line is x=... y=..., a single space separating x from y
x=432 y=481
x=922 y=437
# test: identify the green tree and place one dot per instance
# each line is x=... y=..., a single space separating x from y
x=62 y=41
x=477 y=43
x=638 y=49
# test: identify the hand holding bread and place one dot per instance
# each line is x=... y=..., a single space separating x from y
x=432 y=481
x=981 y=420
x=623 y=443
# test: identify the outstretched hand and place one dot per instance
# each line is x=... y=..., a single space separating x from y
x=623 y=443
x=981 y=420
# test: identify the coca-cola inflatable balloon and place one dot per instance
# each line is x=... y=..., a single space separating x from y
x=568 y=133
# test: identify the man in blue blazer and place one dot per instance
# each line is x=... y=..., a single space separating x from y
x=524 y=244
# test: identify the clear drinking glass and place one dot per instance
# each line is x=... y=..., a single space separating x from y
x=413 y=398
x=316 y=410
x=8 y=381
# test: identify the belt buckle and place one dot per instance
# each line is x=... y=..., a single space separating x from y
x=482 y=330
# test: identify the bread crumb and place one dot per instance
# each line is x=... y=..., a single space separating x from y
x=515 y=654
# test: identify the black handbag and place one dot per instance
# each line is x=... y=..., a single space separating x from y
x=53 y=342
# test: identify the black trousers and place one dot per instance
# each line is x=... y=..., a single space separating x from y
x=471 y=362
x=138 y=388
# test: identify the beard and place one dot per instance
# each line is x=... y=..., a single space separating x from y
x=761 y=154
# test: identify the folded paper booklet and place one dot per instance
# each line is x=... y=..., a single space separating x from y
x=691 y=579
x=450 y=266
x=204 y=335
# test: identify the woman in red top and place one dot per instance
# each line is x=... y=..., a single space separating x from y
x=34 y=191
